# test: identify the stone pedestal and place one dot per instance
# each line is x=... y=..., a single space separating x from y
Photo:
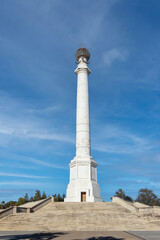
x=83 y=179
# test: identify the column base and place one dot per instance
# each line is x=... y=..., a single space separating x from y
x=83 y=186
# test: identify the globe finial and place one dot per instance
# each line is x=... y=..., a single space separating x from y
x=82 y=54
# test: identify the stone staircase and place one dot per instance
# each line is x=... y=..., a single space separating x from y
x=104 y=216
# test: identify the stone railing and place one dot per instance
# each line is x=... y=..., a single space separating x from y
x=125 y=204
x=140 y=205
x=17 y=209
x=138 y=208
x=41 y=204
x=6 y=212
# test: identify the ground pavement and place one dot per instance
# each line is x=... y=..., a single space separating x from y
x=91 y=235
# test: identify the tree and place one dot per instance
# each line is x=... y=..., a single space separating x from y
x=31 y=199
x=2 y=204
x=37 y=195
x=146 y=196
x=44 y=195
x=59 y=198
x=128 y=198
x=121 y=194
x=26 y=197
x=10 y=203
x=63 y=197
x=21 y=201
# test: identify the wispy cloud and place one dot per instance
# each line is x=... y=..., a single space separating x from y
x=17 y=165
x=148 y=183
x=115 y=54
x=26 y=124
x=21 y=161
x=48 y=109
x=26 y=131
x=116 y=140
x=45 y=163
x=21 y=175
x=20 y=183
x=47 y=136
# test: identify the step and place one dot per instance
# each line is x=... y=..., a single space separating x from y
x=78 y=216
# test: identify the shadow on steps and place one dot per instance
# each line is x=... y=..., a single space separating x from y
x=35 y=236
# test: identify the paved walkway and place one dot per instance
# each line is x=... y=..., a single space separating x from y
x=116 y=235
x=147 y=235
x=68 y=236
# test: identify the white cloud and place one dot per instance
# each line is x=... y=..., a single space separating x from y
x=45 y=110
x=22 y=183
x=17 y=120
x=21 y=161
x=48 y=136
x=19 y=183
x=22 y=130
x=116 y=140
x=115 y=54
x=148 y=183
x=16 y=165
x=20 y=175
x=47 y=164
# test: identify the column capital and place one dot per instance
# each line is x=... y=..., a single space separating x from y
x=82 y=69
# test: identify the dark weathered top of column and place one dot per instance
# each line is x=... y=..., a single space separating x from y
x=82 y=52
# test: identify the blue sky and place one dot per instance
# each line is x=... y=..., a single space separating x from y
x=38 y=40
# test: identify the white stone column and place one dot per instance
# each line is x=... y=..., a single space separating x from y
x=82 y=120
x=83 y=184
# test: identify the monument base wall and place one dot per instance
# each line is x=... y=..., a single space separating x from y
x=83 y=179
x=75 y=189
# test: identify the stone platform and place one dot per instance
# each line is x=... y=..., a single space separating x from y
x=102 y=216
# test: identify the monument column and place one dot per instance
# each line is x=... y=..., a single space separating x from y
x=83 y=184
x=82 y=120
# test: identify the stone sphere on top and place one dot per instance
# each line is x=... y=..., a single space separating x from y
x=82 y=54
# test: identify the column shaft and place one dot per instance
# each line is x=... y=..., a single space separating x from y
x=82 y=121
